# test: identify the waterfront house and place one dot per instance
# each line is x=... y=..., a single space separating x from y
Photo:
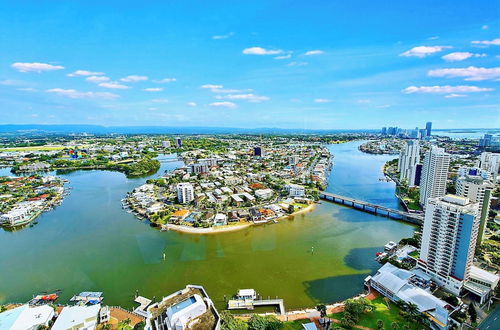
x=264 y=193
x=26 y=317
x=77 y=317
x=188 y=308
x=295 y=190
x=179 y=215
x=220 y=219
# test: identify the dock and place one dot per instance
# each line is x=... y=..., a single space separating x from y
x=250 y=304
x=414 y=218
x=143 y=305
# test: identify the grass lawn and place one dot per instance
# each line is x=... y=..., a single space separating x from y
x=381 y=312
x=294 y=325
x=34 y=148
x=415 y=254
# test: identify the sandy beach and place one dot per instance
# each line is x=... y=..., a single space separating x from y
x=232 y=227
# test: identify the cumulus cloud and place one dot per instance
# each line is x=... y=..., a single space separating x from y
x=247 y=97
x=224 y=104
x=165 y=80
x=211 y=86
x=423 y=51
x=495 y=42
x=454 y=95
x=320 y=100
x=134 y=78
x=445 y=89
x=221 y=89
x=192 y=104
x=471 y=73
x=261 y=51
x=97 y=79
x=35 y=67
x=223 y=36
x=113 y=85
x=74 y=94
x=27 y=89
x=84 y=73
x=313 y=52
x=295 y=63
x=485 y=27
x=460 y=56
x=153 y=89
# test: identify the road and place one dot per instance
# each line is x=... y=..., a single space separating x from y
x=492 y=321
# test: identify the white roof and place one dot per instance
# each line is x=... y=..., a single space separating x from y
x=246 y=292
x=34 y=316
x=484 y=275
x=74 y=315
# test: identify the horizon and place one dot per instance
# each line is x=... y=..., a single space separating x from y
x=360 y=65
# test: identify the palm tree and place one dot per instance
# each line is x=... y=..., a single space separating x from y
x=380 y=324
x=395 y=325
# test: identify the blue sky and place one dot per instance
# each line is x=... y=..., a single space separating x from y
x=289 y=64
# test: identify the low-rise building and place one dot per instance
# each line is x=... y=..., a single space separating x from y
x=77 y=317
x=26 y=317
x=295 y=190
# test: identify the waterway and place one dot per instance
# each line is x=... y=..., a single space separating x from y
x=90 y=244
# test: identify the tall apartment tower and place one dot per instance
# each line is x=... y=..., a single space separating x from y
x=471 y=185
x=448 y=240
x=178 y=142
x=408 y=159
x=490 y=162
x=185 y=192
x=434 y=174
x=428 y=128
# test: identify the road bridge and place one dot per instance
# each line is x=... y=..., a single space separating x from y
x=415 y=218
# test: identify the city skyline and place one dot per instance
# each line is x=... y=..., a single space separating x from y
x=310 y=66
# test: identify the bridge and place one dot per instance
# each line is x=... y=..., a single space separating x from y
x=357 y=204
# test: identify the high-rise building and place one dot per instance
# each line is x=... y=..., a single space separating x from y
x=415 y=133
x=165 y=144
x=428 y=128
x=293 y=160
x=178 y=142
x=185 y=192
x=258 y=152
x=384 y=130
x=408 y=159
x=490 y=162
x=477 y=189
x=448 y=240
x=434 y=174
x=486 y=140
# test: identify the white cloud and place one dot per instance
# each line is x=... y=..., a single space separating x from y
x=192 y=104
x=165 y=80
x=485 y=27
x=454 y=95
x=295 y=63
x=9 y=82
x=283 y=57
x=495 y=42
x=97 y=79
x=211 y=86
x=134 y=78
x=159 y=100
x=84 y=73
x=433 y=38
x=460 y=56
x=113 y=85
x=223 y=36
x=383 y=106
x=35 y=67
x=471 y=73
x=27 y=89
x=261 y=51
x=423 y=51
x=445 y=89
x=74 y=94
x=224 y=104
x=247 y=97
x=364 y=101
x=313 y=52
x=322 y=100
x=153 y=89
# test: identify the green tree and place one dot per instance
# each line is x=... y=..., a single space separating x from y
x=472 y=313
x=258 y=322
x=229 y=322
x=380 y=324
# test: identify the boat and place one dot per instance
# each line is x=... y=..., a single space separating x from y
x=44 y=299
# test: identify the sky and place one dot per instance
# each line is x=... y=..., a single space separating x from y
x=287 y=64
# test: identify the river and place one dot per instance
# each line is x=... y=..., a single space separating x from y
x=90 y=244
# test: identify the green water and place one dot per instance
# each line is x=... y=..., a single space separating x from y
x=90 y=243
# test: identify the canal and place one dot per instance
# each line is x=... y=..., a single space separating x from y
x=90 y=244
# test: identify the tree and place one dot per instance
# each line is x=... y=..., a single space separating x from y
x=322 y=310
x=124 y=325
x=472 y=313
x=140 y=326
x=258 y=322
x=229 y=322
x=380 y=324
x=395 y=325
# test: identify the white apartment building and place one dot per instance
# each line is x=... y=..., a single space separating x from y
x=490 y=162
x=434 y=174
x=293 y=160
x=408 y=159
x=449 y=237
x=185 y=192
x=295 y=190
x=478 y=190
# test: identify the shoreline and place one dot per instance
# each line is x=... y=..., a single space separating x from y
x=235 y=227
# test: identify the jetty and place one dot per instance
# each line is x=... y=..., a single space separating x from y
x=414 y=218
x=247 y=299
